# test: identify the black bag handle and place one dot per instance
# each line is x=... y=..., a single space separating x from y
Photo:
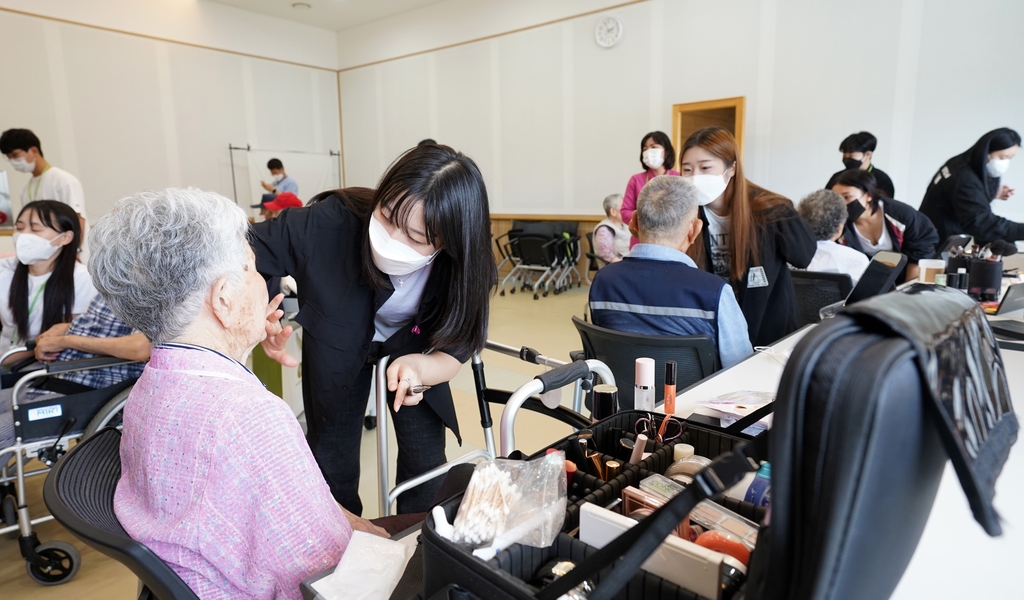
x=639 y=542
x=754 y=417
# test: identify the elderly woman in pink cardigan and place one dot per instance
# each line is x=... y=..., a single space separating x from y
x=217 y=478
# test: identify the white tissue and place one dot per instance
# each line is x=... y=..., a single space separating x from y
x=369 y=570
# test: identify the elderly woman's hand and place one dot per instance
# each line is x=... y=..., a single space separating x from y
x=277 y=337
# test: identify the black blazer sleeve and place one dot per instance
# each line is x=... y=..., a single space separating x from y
x=280 y=244
x=972 y=208
x=919 y=235
x=794 y=240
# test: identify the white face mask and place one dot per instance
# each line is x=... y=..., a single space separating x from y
x=277 y=178
x=31 y=248
x=654 y=157
x=997 y=166
x=709 y=187
x=394 y=257
x=23 y=166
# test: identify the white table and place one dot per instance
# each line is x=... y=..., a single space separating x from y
x=955 y=558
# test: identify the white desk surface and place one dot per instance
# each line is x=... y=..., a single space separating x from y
x=955 y=559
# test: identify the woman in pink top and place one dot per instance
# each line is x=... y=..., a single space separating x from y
x=657 y=157
x=216 y=476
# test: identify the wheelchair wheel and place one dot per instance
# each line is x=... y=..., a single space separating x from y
x=109 y=415
x=65 y=560
x=10 y=515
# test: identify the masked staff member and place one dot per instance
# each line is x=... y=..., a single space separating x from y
x=959 y=198
x=403 y=271
x=657 y=157
x=858 y=149
x=876 y=222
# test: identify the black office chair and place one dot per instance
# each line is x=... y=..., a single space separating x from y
x=594 y=262
x=815 y=290
x=695 y=356
x=79 y=491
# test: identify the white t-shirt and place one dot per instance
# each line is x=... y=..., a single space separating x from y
x=718 y=234
x=831 y=257
x=403 y=304
x=55 y=184
x=84 y=293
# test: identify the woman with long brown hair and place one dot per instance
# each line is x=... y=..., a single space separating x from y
x=749 y=236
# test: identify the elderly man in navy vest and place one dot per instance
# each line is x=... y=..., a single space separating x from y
x=657 y=289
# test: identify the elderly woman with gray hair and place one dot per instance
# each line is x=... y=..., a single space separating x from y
x=216 y=478
x=611 y=235
x=825 y=211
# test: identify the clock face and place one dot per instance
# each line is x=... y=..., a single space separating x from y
x=608 y=32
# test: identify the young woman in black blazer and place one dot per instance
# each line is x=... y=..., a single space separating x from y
x=749 y=235
x=878 y=223
x=959 y=197
x=403 y=271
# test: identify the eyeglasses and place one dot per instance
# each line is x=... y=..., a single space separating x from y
x=668 y=429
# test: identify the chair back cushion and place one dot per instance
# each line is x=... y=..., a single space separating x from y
x=694 y=356
x=815 y=291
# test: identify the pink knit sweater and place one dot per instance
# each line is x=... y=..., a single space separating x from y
x=217 y=480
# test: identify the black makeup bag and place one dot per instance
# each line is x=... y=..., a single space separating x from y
x=871 y=405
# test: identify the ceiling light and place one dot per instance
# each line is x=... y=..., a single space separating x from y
x=301 y=5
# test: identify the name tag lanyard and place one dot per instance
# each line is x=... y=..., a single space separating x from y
x=33 y=192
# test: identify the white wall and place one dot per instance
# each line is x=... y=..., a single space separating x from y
x=449 y=22
x=555 y=121
x=126 y=113
x=198 y=22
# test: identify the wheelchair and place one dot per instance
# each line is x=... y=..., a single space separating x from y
x=43 y=430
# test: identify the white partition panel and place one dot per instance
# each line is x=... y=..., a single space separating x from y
x=125 y=113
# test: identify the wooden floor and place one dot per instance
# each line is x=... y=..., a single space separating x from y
x=516 y=320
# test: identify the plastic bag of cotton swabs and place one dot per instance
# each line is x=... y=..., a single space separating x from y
x=512 y=501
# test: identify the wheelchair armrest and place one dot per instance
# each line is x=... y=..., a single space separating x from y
x=576 y=355
x=85 y=364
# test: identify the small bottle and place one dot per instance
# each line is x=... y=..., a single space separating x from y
x=643 y=394
x=760 y=491
x=961 y=274
x=670 y=387
x=606 y=401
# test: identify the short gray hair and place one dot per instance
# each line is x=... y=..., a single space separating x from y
x=156 y=254
x=611 y=201
x=824 y=211
x=666 y=204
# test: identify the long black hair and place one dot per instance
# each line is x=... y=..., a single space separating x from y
x=993 y=141
x=59 y=295
x=662 y=140
x=458 y=221
x=864 y=181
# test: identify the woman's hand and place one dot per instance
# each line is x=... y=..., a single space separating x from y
x=403 y=375
x=411 y=370
x=1004 y=193
x=277 y=337
x=361 y=524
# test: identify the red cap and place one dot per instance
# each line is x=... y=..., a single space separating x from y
x=282 y=201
